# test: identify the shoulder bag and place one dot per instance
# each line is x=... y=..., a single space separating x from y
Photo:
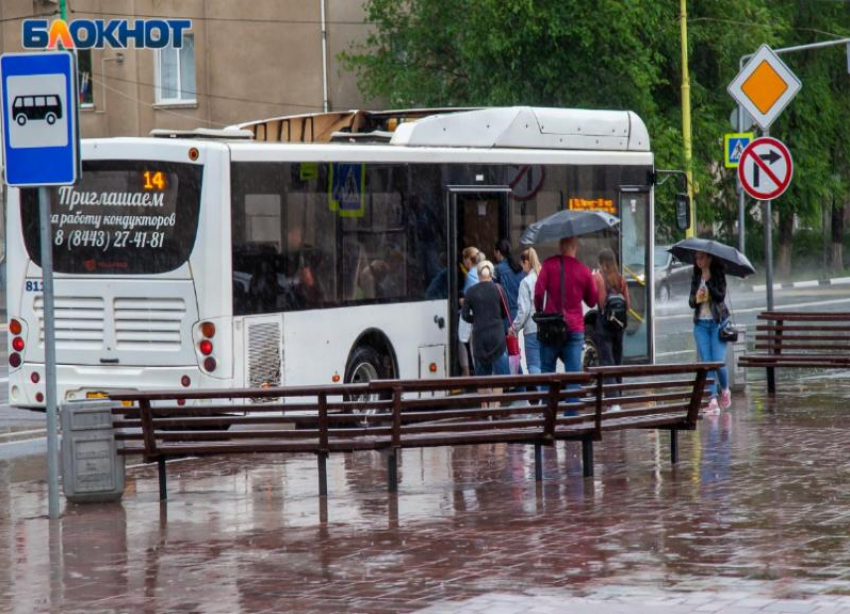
x=728 y=333
x=511 y=340
x=551 y=327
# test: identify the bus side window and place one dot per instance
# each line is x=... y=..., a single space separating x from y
x=427 y=264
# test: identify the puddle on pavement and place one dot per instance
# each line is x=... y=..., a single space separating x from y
x=759 y=502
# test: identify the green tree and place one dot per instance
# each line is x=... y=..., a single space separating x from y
x=615 y=55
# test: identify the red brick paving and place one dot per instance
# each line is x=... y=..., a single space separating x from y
x=755 y=517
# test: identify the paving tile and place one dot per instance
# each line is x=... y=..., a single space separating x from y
x=746 y=523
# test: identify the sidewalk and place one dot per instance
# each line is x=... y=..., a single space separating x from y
x=811 y=283
x=753 y=519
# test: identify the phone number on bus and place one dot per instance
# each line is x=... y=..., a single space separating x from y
x=106 y=239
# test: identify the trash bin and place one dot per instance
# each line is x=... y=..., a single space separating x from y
x=92 y=471
x=734 y=351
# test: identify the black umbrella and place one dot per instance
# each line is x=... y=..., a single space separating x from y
x=735 y=262
x=567 y=223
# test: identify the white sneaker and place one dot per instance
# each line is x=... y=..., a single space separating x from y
x=726 y=399
x=713 y=407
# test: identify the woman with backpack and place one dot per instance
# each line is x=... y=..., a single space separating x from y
x=614 y=304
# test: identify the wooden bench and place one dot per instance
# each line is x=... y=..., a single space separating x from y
x=799 y=340
x=392 y=415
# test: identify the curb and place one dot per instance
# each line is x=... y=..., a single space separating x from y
x=814 y=283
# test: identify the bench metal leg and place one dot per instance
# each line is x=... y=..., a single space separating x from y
x=587 y=457
x=163 y=491
x=674 y=446
x=323 y=474
x=392 y=471
x=538 y=462
x=771 y=381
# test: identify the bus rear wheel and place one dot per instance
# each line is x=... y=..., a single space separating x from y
x=51 y=118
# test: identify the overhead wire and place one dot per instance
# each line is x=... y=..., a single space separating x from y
x=22 y=17
x=216 y=96
x=227 y=19
x=159 y=108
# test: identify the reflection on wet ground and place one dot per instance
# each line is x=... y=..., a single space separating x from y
x=759 y=504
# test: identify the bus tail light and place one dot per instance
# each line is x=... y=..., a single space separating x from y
x=206 y=347
x=15 y=327
x=185 y=381
x=210 y=364
x=35 y=377
x=14 y=360
x=39 y=398
x=18 y=344
x=208 y=329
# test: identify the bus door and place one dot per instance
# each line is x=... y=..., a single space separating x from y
x=636 y=223
x=478 y=217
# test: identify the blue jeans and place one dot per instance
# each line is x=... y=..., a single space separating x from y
x=532 y=353
x=711 y=349
x=499 y=366
x=570 y=355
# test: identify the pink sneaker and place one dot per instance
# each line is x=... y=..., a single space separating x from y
x=713 y=407
x=726 y=399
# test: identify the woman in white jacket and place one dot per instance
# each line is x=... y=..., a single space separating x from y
x=525 y=309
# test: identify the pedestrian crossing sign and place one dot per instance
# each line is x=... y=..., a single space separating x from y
x=734 y=145
x=346 y=187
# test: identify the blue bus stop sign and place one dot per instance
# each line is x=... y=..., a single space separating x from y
x=40 y=139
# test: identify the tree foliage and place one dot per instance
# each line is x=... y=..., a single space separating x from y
x=609 y=54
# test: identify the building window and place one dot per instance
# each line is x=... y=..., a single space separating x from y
x=175 y=73
x=84 y=78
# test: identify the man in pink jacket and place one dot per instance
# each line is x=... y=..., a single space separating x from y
x=578 y=286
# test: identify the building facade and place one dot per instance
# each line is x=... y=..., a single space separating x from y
x=242 y=60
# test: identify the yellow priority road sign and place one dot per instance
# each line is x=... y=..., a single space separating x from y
x=765 y=86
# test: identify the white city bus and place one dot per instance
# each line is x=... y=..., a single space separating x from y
x=238 y=262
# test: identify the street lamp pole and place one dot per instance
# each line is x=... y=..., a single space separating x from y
x=686 y=117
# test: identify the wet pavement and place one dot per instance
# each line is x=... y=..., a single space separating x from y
x=754 y=518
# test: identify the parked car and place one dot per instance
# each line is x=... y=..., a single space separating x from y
x=672 y=276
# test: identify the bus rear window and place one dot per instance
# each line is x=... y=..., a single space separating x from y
x=121 y=217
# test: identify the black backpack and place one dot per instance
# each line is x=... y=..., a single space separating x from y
x=615 y=313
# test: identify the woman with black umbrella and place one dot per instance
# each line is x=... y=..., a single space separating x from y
x=712 y=261
x=708 y=300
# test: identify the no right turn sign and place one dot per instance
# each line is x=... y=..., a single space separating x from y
x=765 y=168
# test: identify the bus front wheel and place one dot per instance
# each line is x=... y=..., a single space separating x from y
x=21 y=119
x=51 y=118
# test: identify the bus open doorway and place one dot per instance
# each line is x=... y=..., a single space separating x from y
x=478 y=217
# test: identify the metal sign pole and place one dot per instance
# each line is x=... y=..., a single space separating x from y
x=49 y=350
x=768 y=246
x=768 y=267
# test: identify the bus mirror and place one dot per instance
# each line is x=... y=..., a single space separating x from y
x=683 y=211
